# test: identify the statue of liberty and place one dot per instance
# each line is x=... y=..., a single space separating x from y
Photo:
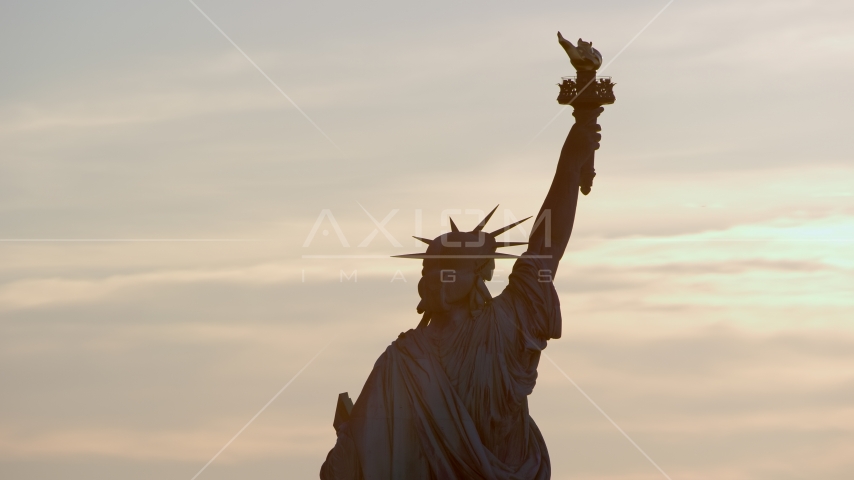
x=449 y=399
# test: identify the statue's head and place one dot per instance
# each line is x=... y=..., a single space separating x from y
x=455 y=266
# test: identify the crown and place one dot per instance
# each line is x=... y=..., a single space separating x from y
x=473 y=244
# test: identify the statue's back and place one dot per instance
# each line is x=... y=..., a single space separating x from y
x=458 y=409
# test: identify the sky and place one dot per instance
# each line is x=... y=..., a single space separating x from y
x=161 y=279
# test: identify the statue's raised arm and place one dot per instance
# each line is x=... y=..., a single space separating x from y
x=554 y=222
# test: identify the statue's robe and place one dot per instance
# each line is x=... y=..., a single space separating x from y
x=457 y=409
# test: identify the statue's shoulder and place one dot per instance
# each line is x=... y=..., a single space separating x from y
x=413 y=343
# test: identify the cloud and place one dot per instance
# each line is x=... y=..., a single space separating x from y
x=262 y=441
x=39 y=292
x=706 y=291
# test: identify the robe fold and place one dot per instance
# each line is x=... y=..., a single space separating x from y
x=458 y=409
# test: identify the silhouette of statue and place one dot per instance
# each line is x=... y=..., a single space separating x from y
x=449 y=399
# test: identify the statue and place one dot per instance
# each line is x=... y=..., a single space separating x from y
x=449 y=398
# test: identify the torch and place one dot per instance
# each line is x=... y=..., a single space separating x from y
x=585 y=90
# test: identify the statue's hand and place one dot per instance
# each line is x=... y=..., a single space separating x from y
x=583 y=57
x=584 y=137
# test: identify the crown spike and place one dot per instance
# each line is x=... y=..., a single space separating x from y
x=482 y=224
x=453 y=225
x=503 y=255
x=427 y=256
x=419 y=256
x=508 y=227
x=425 y=240
x=510 y=244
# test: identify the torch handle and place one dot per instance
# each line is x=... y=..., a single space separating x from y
x=587 y=98
x=587 y=173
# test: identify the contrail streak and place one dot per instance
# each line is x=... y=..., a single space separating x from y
x=606 y=416
x=259 y=411
x=606 y=66
x=265 y=75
